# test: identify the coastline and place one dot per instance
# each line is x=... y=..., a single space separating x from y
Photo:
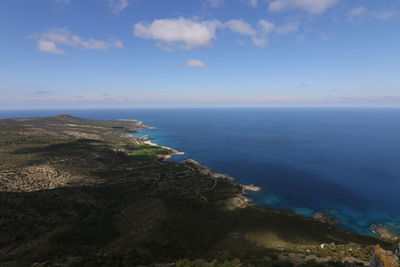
x=171 y=151
x=140 y=197
x=146 y=140
x=241 y=199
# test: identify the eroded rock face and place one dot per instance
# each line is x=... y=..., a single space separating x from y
x=397 y=249
x=383 y=258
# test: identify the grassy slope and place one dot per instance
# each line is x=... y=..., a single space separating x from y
x=79 y=192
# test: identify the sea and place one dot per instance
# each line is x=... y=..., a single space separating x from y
x=344 y=162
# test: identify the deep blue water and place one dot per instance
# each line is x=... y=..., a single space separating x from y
x=345 y=161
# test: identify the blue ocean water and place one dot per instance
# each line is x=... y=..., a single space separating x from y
x=342 y=161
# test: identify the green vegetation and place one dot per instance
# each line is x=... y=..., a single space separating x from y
x=147 y=153
x=76 y=192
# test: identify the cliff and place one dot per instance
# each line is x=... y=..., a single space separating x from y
x=383 y=258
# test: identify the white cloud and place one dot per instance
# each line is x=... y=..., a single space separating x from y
x=239 y=26
x=195 y=63
x=181 y=33
x=178 y=33
x=47 y=42
x=49 y=47
x=310 y=6
x=117 y=6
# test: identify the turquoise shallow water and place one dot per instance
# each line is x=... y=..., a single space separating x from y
x=342 y=161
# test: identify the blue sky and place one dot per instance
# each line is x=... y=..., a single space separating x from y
x=199 y=53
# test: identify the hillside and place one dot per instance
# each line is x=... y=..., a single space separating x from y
x=78 y=192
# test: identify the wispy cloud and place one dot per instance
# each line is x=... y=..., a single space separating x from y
x=41 y=92
x=195 y=63
x=288 y=27
x=64 y=2
x=361 y=13
x=384 y=15
x=219 y=3
x=49 y=47
x=253 y=3
x=191 y=99
x=358 y=11
x=214 y=3
x=48 y=42
x=117 y=6
x=259 y=34
x=240 y=26
x=310 y=6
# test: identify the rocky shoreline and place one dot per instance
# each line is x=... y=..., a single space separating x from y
x=78 y=192
x=242 y=200
x=171 y=151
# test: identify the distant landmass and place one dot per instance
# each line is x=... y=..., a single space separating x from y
x=80 y=192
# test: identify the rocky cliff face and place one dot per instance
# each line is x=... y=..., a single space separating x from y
x=383 y=258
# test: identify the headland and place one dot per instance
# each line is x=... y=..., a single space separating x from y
x=79 y=192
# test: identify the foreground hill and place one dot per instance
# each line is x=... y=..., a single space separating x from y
x=78 y=192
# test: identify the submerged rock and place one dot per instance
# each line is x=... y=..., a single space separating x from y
x=383 y=231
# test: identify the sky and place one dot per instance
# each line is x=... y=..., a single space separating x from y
x=199 y=53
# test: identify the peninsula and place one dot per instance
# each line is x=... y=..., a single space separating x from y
x=79 y=192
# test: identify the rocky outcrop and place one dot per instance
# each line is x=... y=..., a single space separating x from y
x=251 y=187
x=383 y=258
x=383 y=231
